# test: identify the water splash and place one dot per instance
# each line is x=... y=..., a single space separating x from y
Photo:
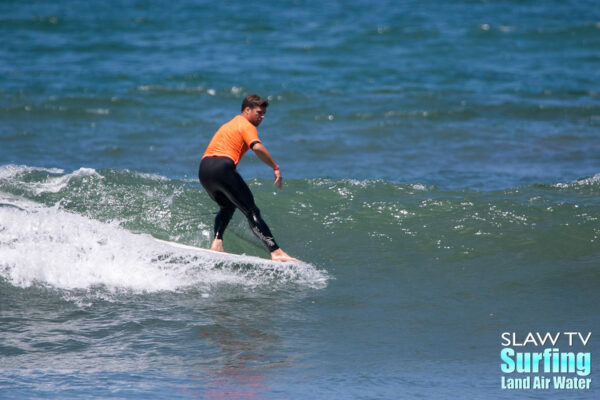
x=49 y=246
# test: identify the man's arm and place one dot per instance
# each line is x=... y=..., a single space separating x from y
x=263 y=154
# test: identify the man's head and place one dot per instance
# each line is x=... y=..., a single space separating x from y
x=254 y=109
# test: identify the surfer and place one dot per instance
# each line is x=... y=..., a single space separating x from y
x=218 y=174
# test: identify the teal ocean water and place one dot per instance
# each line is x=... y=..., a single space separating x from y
x=442 y=187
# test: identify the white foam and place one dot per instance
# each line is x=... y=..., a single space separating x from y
x=580 y=182
x=98 y=111
x=56 y=184
x=52 y=247
x=53 y=184
x=11 y=171
x=145 y=175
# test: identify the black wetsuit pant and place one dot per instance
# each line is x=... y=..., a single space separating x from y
x=225 y=186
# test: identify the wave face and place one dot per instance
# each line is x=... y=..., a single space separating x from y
x=100 y=222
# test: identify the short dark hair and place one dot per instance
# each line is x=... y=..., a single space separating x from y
x=254 y=101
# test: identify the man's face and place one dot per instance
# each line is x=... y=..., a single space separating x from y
x=255 y=115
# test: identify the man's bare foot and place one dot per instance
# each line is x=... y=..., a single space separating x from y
x=217 y=245
x=280 y=255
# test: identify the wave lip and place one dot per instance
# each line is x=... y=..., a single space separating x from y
x=52 y=184
x=10 y=171
x=589 y=181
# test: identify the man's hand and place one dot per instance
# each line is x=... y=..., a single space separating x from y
x=278 y=178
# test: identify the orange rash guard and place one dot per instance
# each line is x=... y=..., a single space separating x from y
x=233 y=139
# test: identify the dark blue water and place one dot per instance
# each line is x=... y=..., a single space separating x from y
x=441 y=165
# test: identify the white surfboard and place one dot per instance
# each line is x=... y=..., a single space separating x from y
x=241 y=258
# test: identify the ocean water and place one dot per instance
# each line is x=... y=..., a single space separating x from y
x=442 y=188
